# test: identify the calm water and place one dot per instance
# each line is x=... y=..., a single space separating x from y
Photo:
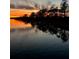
x=32 y=43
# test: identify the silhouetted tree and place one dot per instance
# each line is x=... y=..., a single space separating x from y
x=52 y=6
x=64 y=6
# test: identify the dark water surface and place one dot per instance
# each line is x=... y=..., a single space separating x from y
x=32 y=43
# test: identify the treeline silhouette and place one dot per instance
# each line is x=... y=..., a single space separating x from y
x=54 y=23
x=42 y=17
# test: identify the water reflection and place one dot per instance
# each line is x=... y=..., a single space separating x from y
x=43 y=40
x=33 y=43
x=55 y=25
x=60 y=33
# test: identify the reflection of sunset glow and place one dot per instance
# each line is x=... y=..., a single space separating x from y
x=15 y=22
x=18 y=24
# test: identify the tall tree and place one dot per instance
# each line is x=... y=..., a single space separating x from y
x=64 y=6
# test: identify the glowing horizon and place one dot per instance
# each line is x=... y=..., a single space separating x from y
x=14 y=24
x=21 y=12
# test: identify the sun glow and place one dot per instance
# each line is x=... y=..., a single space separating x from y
x=17 y=13
x=21 y=12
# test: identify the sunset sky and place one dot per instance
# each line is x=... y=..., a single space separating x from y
x=29 y=4
x=21 y=7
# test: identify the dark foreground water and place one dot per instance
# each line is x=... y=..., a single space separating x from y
x=32 y=43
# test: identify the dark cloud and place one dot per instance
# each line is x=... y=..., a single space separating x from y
x=31 y=3
x=22 y=4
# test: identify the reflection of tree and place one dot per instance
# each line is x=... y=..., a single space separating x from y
x=47 y=25
x=50 y=23
x=63 y=34
x=50 y=28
